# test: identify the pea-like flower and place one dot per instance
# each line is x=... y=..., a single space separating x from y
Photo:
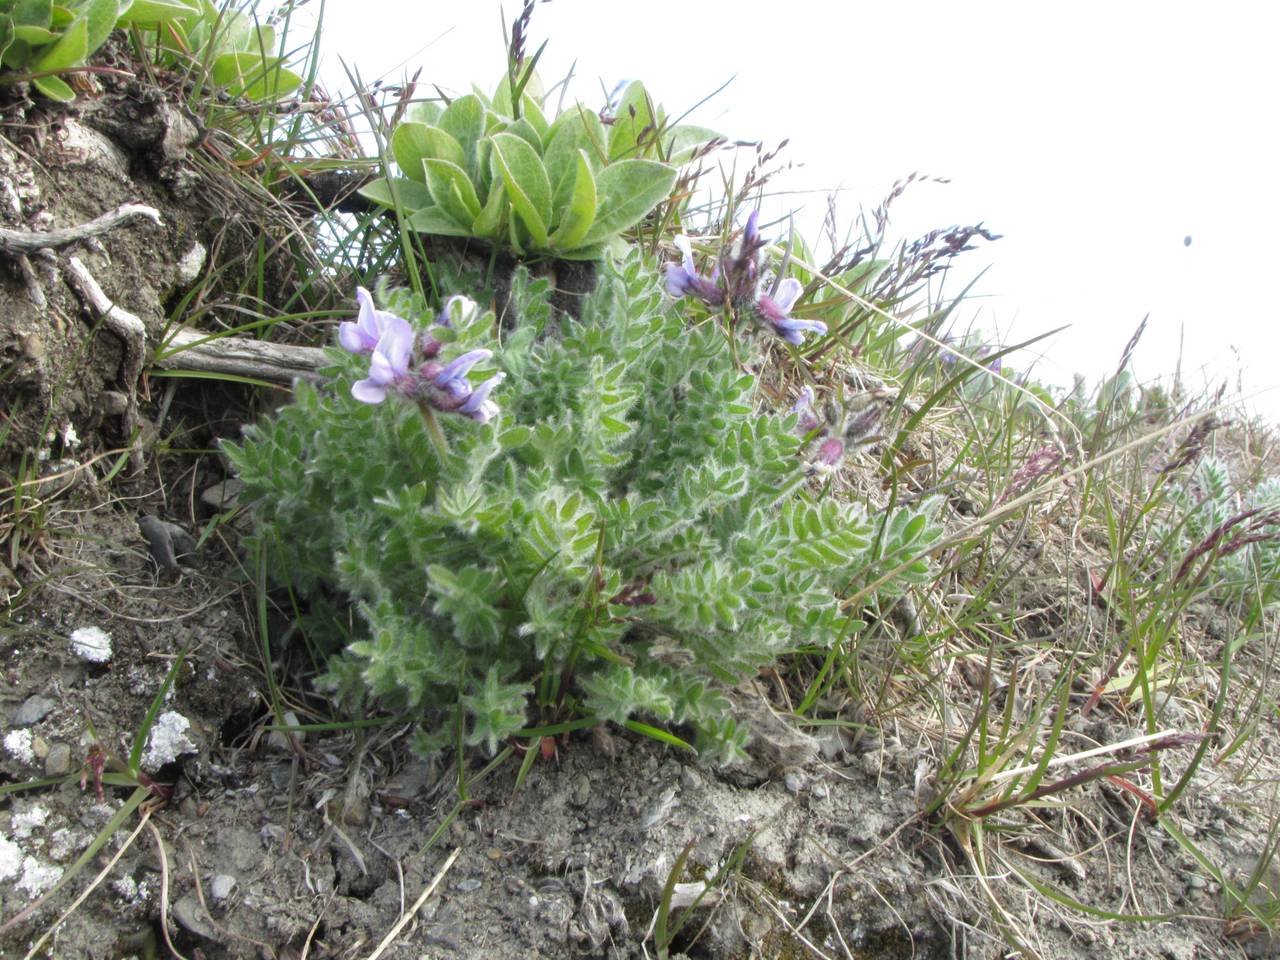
x=402 y=362
x=362 y=334
x=449 y=390
x=683 y=278
x=388 y=364
x=736 y=280
x=776 y=311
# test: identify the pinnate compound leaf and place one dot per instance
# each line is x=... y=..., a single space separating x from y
x=628 y=190
x=526 y=182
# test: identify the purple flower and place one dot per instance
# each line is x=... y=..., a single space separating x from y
x=362 y=334
x=683 y=277
x=830 y=452
x=389 y=364
x=449 y=389
x=809 y=421
x=777 y=312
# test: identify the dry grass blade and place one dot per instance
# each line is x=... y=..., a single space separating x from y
x=417 y=905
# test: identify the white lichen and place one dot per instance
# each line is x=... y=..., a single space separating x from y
x=24 y=822
x=168 y=740
x=18 y=745
x=10 y=858
x=37 y=877
x=92 y=644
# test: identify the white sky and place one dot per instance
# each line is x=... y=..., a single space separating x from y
x=1093 y=136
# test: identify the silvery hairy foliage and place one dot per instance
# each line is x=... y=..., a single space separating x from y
x=592 y=519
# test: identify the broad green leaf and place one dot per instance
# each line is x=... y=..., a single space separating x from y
x=627 y=191
x=100 y=15
x=412 y=195
x=574 y=130
x=526 y=182
x=54 y=89
x=32 y=13
x=451 y=189
x=424 y=111
x=525 y=130
x=35 y=36
x=634 y=123
x=235 y=32
x=464 y=121
x=682 y=142
x=247 y=74
x=413 y=142
x=489 y=223
x=70 y=50
x=594 y=251
x=579 y=213
x=434 y=220
x=6 y=35
x=151 y=12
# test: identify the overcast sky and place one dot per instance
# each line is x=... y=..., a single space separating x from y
x=1094 y=137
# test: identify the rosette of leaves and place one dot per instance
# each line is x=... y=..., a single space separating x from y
x=481 y=167
x=627 y=537
x=240 y=53
x=39 y=39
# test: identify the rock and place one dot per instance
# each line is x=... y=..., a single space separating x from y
x=220 y=887
x=58 y=762
x=580 y=792
x=690 y=779
x=222 y=496
x=33 y=710
x=192 y=917
x=470 y=885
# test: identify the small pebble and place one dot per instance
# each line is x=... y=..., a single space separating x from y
x=1197 y=882
x=220 y=887
x=33 y=710
x=467 y=886
x=794 y=781
x=58 y=762
x=581 y=790
x=690 y=779
x=39 y=747
x=494 y=854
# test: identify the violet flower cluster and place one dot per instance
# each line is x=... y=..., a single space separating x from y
x=735 y=280
x=404 y=363
x=839 y=432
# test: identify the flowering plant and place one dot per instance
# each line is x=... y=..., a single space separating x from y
x=619 y=540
